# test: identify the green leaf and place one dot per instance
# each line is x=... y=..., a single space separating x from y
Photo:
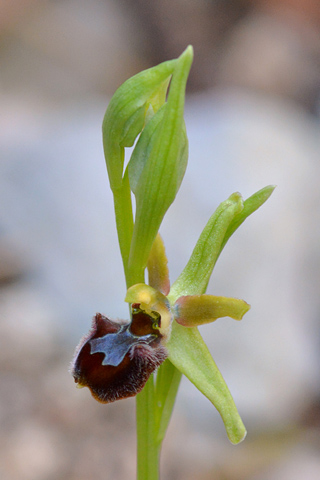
x=190 y=355
x=126 y=112
x=195 y=310
x=158 y=183
x=195 y=276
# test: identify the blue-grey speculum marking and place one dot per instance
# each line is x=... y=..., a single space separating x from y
x=116 y=345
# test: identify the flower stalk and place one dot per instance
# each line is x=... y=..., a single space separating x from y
x=148 y=448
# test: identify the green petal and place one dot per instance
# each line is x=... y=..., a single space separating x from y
x=190 y=355
x=195 y=310
x=195 y=276
x=157 y=184
x=157 y=265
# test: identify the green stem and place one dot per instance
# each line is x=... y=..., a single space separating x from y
x=148 y=448
x=167 y=385
x=124 y=221
x=154 y=405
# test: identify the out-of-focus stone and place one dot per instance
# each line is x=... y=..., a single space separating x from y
x=63 y=50
x=275 y=51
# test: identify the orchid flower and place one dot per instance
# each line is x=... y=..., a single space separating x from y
x=164 y=323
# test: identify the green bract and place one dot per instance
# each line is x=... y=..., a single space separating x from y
x=161 y=155
x=159 y=159
x=126 y=114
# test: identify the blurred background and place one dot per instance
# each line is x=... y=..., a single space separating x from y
x=252 y=116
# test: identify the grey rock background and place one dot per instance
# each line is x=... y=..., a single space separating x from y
x=252 y=120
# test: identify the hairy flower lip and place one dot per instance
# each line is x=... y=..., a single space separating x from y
x=111 y=368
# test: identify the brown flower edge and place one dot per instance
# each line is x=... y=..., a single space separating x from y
x=115 y=360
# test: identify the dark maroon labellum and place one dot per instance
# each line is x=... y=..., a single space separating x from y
x=115 y=360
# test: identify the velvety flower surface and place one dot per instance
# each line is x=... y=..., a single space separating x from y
x=115 y=360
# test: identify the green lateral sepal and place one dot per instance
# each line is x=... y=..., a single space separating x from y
x=190 y=355
x=195 y=277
